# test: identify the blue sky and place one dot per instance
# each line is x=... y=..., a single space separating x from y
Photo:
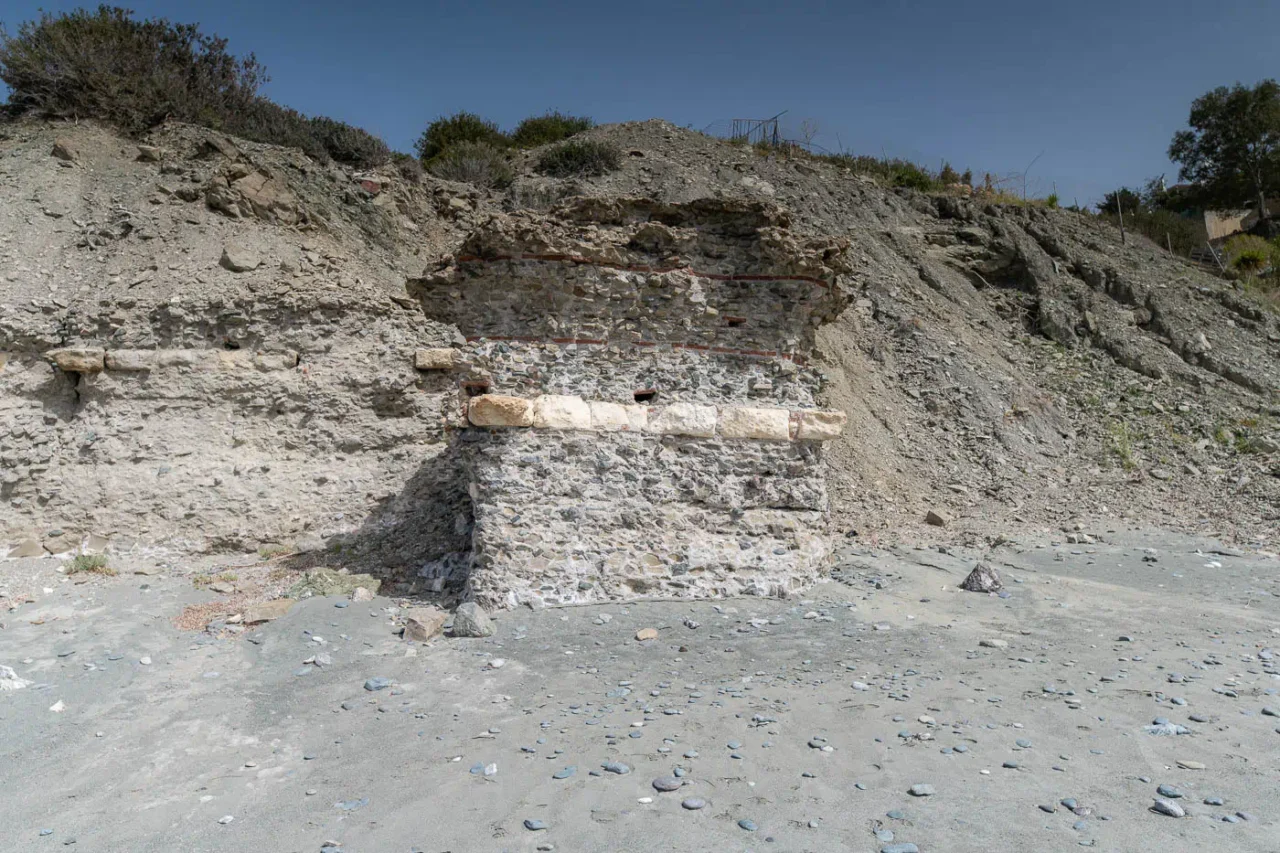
x=1098 y=87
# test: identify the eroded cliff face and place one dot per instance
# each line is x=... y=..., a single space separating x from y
x=242 y=367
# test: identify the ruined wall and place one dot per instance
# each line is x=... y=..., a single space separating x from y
x=636 y=403
x=582 y=516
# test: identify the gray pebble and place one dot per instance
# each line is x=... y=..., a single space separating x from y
x=617 y=767
x=906 y=847
x=693 y=804
x=565 y=773
x=534 y=825
x=1213 y=801
x=378 y=683
x=1168 y=791
x=1168 y=807
x=748 y=825
x=921 y=790
x=667 y=783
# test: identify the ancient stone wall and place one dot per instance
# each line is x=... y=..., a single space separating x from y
x=582 y=516
x=636 y=403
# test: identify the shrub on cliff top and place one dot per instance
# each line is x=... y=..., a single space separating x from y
x=476 y=163
x=448 y=131
x=134 y=74
x=581 y=158
x=549 y=128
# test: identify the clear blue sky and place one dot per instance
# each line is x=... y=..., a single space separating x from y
x=1098 y=87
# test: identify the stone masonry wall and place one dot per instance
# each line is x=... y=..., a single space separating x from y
x=564 y=517
x=636 y=400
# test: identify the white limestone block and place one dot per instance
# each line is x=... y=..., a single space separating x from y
x=744 y=422
x=557 y=411
x=684 y=419
x=497 y=410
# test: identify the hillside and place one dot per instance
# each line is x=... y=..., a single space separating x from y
x=1007 y=367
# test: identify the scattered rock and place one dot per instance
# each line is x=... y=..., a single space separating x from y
x=265 y=611
x=470 y=620
x=377 y=683
x=647 y=634
x=983 y=578
x=65 y=149
x=992 y=643
x=936 y=518
x=921 y=790
x=1168 y=807
x=424 y=623
x=9 y=680
x=239 y=258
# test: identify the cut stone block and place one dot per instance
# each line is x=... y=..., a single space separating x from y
x=611 y=417
x=820 y=426
x=77 y=359
x=755 y=423
x=497 y=410
x=554 y=411
x=684 y=419
x=434 y=359
x=131 y=360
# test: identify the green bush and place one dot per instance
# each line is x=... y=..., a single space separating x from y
x=446 y=132
x=135 y=74
x=549 y=128
x=93 y=563
x=409 y=167
x=266 y=121
x=132 y=73
x=890 y=173
x=1051 y=200
x=476 y=163
x=348 y=144
x=1249 y=254
x=585 y=158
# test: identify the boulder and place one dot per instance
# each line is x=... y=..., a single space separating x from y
x=983 y=578
x=470 y=620
x=936 y=519
x=497 y=410
x=65 y=149
x=424 y=623
x=239 y=258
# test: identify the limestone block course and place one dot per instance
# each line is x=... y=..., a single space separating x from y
x=820 y=426
x=497 y=410
x=610 y=417
x=745 y=422
x=77 y=359
x=683 y=419
x=131 y=360
x=556 y=411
